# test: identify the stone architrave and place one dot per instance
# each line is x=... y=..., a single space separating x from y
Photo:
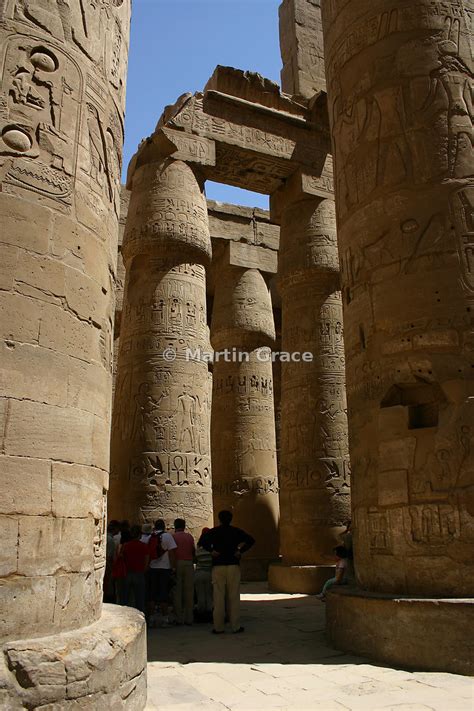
x=61 y=133
x=314 y=472
x=243 y=443
x=161 y=464
x=399 y=86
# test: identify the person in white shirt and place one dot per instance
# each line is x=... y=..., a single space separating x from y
x=162 y=562
x=147 y=530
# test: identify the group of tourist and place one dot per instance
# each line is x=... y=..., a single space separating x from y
x=172 y=580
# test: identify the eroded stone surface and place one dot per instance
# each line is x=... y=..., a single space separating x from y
x=314 y=457
x=61 y=134
x=100 y=666
x=355 y=620
x=404 y=202
x=160 y=438
x=301 y=46
x=245 y=477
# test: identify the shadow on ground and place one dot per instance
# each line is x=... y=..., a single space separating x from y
x=279 y=629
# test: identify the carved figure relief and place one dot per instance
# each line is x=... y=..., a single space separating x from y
x=462 y=210
x=161 y=421
x=104 y=156
x=41 y=120
x=93 y=26
x=400 y=97
x=314 y=448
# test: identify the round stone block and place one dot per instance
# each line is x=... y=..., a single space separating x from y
x=102 y=666
x=415 y=633
x=303 y=579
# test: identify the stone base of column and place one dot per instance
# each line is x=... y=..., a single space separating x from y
x=102 y=666
x=255 y=569
x=418 y=633
x=304 y=579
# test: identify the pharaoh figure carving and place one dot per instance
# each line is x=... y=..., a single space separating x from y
x=243 y=419
x=403 y=150
x=161 y=424
x=61 y=134
x=314 y=462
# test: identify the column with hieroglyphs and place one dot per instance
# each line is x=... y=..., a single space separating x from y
x=314 y=471
x=399 y=82
x=314 y=461
x=61 y=135
x=161 y=464
x=243 y=440
x=301 y=47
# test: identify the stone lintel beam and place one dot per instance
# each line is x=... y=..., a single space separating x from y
x=227 y=208
x=261 y=136
x=247 y=256
x=242 y=224
x=242 y=131
x=253 y=88
x=299 y=119
x=252 y=257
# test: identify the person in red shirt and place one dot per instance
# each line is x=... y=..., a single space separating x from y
x=135 y=554
x=184 y=590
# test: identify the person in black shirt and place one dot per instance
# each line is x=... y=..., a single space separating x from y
x=226 y=544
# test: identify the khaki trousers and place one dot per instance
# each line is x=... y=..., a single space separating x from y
x=184 y=592
x=226 y=591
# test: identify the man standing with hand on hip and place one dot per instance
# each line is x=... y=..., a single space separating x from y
x=226 y=544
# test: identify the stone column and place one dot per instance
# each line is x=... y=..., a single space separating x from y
x=61 y=134
x=243 y=440
x=301 y=47
x=399 y=76
x=161 y=423
x=314 y=463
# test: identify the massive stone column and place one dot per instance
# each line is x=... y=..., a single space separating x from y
x=314 y=462
x=301 y=47
x=161 y=422
x=243 y=418
x=399 y=82
x=61 y=134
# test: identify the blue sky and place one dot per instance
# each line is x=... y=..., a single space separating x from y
x=175 y=46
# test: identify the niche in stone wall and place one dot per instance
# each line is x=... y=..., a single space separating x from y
x=422 y=400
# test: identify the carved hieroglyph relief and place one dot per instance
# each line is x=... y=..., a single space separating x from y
x=61 y=133
x=314 y=455
x=400 y=79
x=160 y=436
x=243 y=439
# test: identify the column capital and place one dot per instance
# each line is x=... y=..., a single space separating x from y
x=303 y=185
x=308 y=245
x=242 y=316
x=167 y=216
x=195 y=151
